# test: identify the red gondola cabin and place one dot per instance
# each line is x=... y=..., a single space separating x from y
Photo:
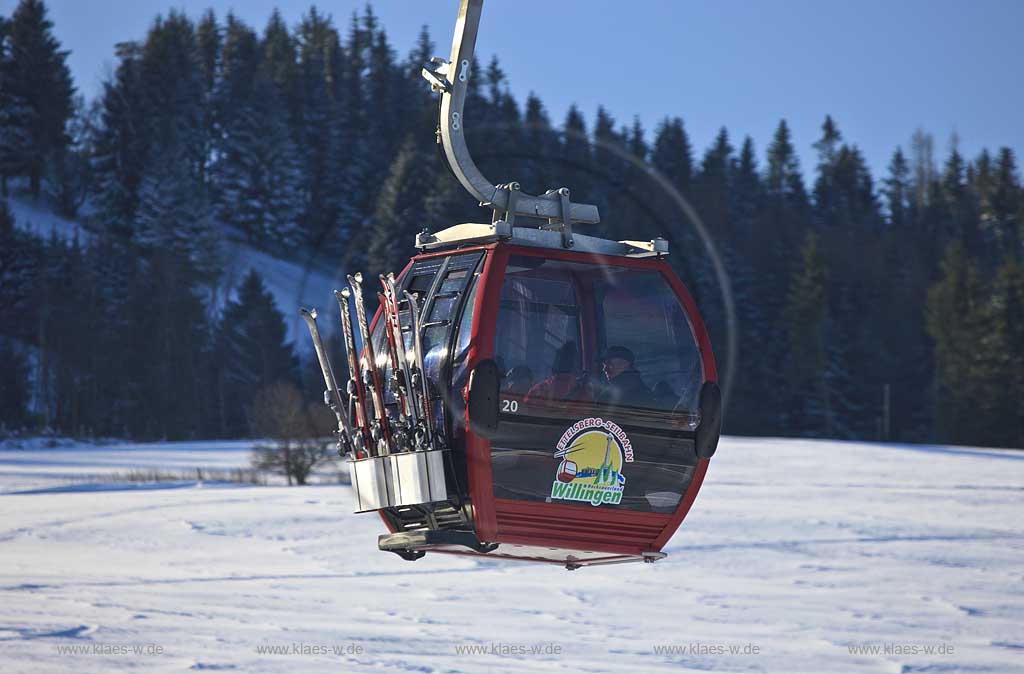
x=549 y=457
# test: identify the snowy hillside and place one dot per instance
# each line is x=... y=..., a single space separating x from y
x=796 y=553
x=292 y=284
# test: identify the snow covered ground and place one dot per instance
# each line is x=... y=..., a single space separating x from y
x=41 y=464
x=795 y=553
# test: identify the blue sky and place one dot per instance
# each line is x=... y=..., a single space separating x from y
x=882 y=69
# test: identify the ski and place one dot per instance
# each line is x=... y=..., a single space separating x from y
x=396 y=371
x=332 y=396
x=394 y=324
x=372 y=378
x=356 y=392
x=421 y=372
x=400 y=431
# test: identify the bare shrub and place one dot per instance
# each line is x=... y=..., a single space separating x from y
x=301 y=432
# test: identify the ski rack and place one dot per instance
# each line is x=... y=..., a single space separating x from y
x=451 y=79
x=393 y=463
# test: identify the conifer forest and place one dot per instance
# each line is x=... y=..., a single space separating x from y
x=875 y=307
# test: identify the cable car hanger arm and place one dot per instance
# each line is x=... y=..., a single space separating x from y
x=451 y=79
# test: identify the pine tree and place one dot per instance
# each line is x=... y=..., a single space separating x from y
x=785 y=194
x=120 y=145
x=639 y=151
x=35 y=92
x=240 y=60
x=278 y=61
x=897 y=189
x=260 y=174
x=169 y=328
x=824 y=186
x=15 y=143
x=173 y=216
x=322 y=143
x=608 y=144
x=400 y=210
x=63 y=336
x=898 y=352
x=611 y=172
x=958 y=323
x=115 y=388
x=922 y=157
x=1004 y=205
x=960 y=216
x=251 y=351
x=784 y=186
x=171 y=94
x=809 y=411
x=1006 y=349
x=168 y=299
x=354 y=116
x=784 y=222
x=783 y=182
x=541 y=143
x=576 y=157
x=713 y=185
x=754 y=402
x=69 y=176
x=208 y=46
x=856 y=208
x=495 y=128
x=746 y=194
x=20 y=260
x=673 y=155
x=14 y=386
x=415 y=95
x=384 y=87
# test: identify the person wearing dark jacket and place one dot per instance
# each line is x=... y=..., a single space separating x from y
x=623 y=384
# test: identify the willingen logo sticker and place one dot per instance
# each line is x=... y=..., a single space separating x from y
x=593 y=452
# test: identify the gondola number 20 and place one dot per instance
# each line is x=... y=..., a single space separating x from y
x=511 y=406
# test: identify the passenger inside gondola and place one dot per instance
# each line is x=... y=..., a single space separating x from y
x=564 y=382
x=622 y=382
x=567 y=334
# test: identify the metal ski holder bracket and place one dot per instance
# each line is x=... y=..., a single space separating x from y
x=418 y=477
x=398 y=480
x=451 y=79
